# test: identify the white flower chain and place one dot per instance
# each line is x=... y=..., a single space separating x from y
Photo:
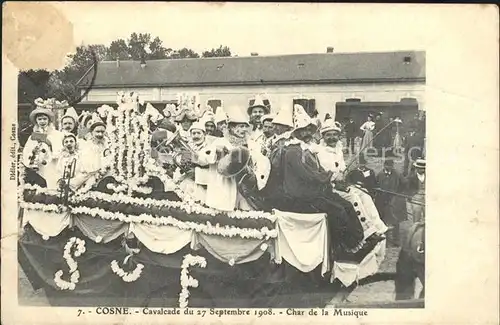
x=127 y=276
x=44 y=207
x=188 y=207
x=207 y=228
x=72 y=264
x=187 y=280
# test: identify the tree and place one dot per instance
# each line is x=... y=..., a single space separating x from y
x=32 y=84
x=157 y=51
x=220 y=52
x=118 y=50
x=187 y=53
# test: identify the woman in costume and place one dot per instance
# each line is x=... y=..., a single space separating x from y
x=185 y=119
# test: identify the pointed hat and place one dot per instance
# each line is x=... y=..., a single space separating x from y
x=284 y=116
x=300 y=117
x=237 y=116
x=71 y=112
x=259 y=101
x=220 y=115
x=96 y=121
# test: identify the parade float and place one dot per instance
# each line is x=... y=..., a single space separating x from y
x=129 y=236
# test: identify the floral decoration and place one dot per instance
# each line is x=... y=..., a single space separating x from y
x=187 y=280
x=79 y=245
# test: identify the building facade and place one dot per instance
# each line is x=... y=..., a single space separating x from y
x=342 y=85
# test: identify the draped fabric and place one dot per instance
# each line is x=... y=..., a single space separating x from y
x=100 y=230
x=48 y=224
x=161 y=239
x=240 y=250
x=350 y=272
x=303 y=240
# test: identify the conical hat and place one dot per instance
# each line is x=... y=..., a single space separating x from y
x=71 y=112
x=96 y=121
x=208 y=116
x=300 y=117
x=330 y=125
x=259 y=101
x=237 y=116
x=284 y=116
x=220 y=115
x=198 y=125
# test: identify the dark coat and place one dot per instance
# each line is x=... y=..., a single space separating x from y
x=391 y=208
x=357 y=176
x=351 y=130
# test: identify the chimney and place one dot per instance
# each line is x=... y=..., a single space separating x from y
x=117 y=62
x=329 y=49
x=254 y=54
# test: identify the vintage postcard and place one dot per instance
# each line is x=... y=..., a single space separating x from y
x=243 y=162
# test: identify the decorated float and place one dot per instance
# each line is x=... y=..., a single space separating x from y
x=129 y=236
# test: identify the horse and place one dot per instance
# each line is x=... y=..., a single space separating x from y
x=411 y=261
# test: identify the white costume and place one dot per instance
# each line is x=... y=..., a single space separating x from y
x=45 y=154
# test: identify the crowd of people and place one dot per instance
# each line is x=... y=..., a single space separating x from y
x=248 y=159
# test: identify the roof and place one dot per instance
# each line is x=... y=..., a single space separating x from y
x=257 y=70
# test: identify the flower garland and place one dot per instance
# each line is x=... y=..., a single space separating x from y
x=72 y=264
x=117 y=188
x=187 y=280
x=207 y=228
x=44 y=207
x=129 y=146
x=120 y=143
x=188 y=207
x=127 y=276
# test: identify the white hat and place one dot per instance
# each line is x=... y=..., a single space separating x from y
x=198 y=125
x=71 y=112
x=259 y=101
x=330 y=125
x=284 y=116
x=237 y=116
x=96 y=121
x=267 y=117
x=220 y=115
x=300 y=117
x=208 y=116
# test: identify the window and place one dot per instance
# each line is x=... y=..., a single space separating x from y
x=214 y=103
x=308 y=104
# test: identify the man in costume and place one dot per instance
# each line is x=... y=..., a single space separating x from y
x=299 y=184
x=69 y=121
x=331 y=158
x=43 y=148
x=95 y=152
x=220 y=120
x=232 y=181
x=257 y=108
x=185 y=119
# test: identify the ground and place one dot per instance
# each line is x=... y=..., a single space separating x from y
x=374 y=292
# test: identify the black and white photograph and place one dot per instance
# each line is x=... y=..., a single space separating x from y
x=244 y=161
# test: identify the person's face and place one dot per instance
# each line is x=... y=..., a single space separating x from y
x=239 y=130
x=331 y=138
x=305 y=134
x=210 y=127
x=389 y=167
x=198 y=136
x=370 y=118
x=377 y=118
x=99 y=132
x=222 y=126
x=42 y=120
x=268 y=128
x=69 y=143
x=420 y=171
x=256 y=114
x=68 y=124
x=186 y=124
